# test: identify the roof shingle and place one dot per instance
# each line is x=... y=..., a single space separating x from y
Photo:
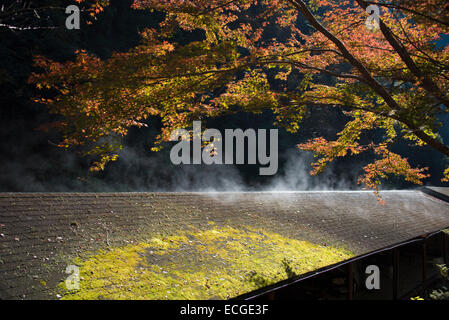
x=41 y=232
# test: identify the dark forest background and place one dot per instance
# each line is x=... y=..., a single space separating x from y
x=30 y=160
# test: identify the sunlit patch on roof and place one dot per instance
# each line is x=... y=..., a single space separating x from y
x=218 y=263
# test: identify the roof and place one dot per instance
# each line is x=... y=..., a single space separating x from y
x=438 y=192
x=194 y=245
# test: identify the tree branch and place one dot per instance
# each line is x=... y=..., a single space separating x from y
x=395 y=6
x=427 y=83
x=373 y=83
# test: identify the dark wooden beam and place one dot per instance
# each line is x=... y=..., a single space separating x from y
x=350 y=281
x=424 y=261
x=445 y=252
x=395 y=273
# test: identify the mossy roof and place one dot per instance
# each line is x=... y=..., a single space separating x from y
x=194 y=245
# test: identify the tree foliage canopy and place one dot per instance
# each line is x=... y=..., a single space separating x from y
x=393 y=77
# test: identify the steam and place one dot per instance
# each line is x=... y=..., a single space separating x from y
x=296 y=176
x=137 y=172
x=36 y=166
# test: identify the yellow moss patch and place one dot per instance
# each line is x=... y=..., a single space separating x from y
x=219 y=263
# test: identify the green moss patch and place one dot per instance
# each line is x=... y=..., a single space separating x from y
x=219 y=263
